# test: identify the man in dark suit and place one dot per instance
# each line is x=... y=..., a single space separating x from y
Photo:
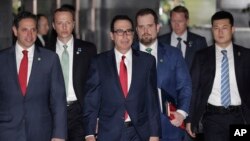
x=221 y=80
x=42 y=30
x=173 y=79
x=32 y=92
x=79 y=54
x=121 y=91
x=189 y=42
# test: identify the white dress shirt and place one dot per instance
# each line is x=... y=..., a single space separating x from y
x=19 y=57
x=128 y=63
x=174 y=41
x=215 y=96
x=71 y=96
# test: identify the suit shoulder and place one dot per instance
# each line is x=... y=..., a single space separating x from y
x=164 y=36
x=169 y=48
x=194 y=35
x=48 y=53
x=81 y=43
x=205 y=50
x=6 y=51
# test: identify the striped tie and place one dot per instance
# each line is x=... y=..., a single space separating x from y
x=179 y=43
x=225 y=88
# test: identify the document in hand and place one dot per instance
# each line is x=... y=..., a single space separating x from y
x=170 y=107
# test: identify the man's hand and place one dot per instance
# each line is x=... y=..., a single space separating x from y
x=57 y=139
x=177 y=121
x=188 y=129
x=154 y=139
x=90 y=138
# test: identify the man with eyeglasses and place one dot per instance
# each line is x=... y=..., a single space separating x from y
x=173 y=79
x=121 y=91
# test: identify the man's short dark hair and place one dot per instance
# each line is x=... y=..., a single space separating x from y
x=146 y=11
x=120 y=17
x=23 y=15
x=39 y=16
x=64 y=9
x=223 y=15
x=180 y=9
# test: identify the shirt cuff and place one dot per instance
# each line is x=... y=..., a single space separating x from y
x=183 y=113
x=89 y=136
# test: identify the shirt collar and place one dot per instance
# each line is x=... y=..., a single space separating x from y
x=30 y=50
x=119 y=55
x=183 y=36
x=153 y=46
x=229 y=48
x=69 y=43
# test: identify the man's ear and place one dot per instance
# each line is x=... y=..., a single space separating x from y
x=53 y=25
x=14 y=29
x=111 y=36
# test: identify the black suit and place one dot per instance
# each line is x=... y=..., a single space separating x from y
x=193 y=44
x=203 y=75
x=39 y=43
x=83 y=53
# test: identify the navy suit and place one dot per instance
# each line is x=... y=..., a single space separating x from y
x=41 y=114
x=105 y=99
x=193 y=44
x=172 y=77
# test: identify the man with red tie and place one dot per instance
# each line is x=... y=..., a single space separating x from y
x=32 y=92
x=121 y=91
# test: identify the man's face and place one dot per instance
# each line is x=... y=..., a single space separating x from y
x=179 y=23
x=222 y=32
x=122 y=35
x=146 y=29
x=63 y=24
x=43 y=26
x=26 y=32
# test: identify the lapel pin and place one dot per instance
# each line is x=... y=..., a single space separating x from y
x=39 y=59
x=79 y=50
x=238 y=53
x=161 y=60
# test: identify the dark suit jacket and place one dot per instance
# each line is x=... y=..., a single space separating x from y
x=173 y=75
x=203 y=73
x=194 y=43
x=39 y=43
x=83 y=53
x=41 y=114
x=105 y=99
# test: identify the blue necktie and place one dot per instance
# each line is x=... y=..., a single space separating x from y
x=179 y=43
x=225 y=87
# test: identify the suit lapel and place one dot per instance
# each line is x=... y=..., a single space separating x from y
x=209 y=65
x=13 y=69
x=237 y=64
x=111 y=61
x=35 y=68
x=135 y=68
x=188 y=49
x=76 y=63
x=161 y=51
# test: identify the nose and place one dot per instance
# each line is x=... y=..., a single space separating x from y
x=30 y=33
x=64 y=25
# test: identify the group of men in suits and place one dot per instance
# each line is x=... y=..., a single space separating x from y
x=129 y=88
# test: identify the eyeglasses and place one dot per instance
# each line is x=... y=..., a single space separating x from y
x=121 y=32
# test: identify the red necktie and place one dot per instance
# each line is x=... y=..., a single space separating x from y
x=124 y=81
x=23 y=72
